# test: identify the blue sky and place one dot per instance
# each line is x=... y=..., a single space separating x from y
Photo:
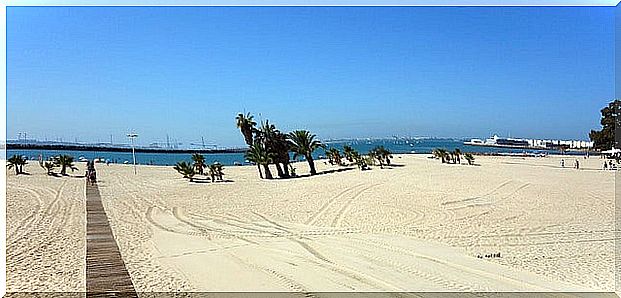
x=89 y=73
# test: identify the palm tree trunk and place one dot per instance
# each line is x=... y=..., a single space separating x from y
x=279 y=170
x=16 y=170
x=63 y=171
x=247 y=132
x=268 y=174
x=260 y=173
x=285 y=168
x=311 y=164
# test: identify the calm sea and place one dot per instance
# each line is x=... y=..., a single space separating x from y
x=396 y=146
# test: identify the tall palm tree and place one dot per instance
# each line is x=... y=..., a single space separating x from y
x=64 y=161
x=246 y=125
x=275 y=142
x=348 y=151
x=304 y=143
x=185 y=169
x=16 y=162
x=199 y=162
x=281 y=147
x=259 y=155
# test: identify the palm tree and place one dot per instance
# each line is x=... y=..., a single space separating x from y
x=185 y=169
x=469 y=158
x=215 y=171
x=219 y=171
x=48 y=166
x=348 y=151
x=281 y=148
x=376 y=154
x=457 y=156
x=382 y=154
x=212 y=172
x=337 y=156
x=246 y=125
x=64 y=161
x=16 y=162
x=276 y=143
x=334 y=155
x=329 y=156
x=199 y=162
x=304 y=143
x=360 y=160
x=441 y=153
x=259 y=155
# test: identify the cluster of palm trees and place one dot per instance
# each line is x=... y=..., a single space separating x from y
x=267 y=145
x=452 y=156
x=334 y=156
x=198 y=166
x=16 y=162
x=379 y=154
x=63 y=161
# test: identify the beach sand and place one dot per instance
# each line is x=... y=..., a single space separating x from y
x=415 y=226
x=45 y=232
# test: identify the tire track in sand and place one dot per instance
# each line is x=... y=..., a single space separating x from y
x=25 y=225
x=177 y=216
x=340 y=214
x=478 y=272
x=446 y=283
x=314 y=218
x=326 y=263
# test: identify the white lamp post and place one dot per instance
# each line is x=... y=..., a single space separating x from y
x=132 y=136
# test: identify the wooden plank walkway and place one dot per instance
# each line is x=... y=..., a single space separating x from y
x=106 y=275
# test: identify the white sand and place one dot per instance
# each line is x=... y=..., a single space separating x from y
x=46 y=228
x=417 y=226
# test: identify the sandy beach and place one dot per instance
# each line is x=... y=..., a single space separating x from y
x=418 y=225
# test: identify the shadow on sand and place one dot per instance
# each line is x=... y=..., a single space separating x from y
x=208 y=180
x=321 y=173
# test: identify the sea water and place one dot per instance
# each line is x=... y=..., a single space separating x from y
x=362 y=146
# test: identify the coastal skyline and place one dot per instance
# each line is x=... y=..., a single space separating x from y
x=339 y=72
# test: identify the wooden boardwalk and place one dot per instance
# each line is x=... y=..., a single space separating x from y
x=106 y=275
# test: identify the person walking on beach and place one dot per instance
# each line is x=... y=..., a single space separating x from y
x=605 y=165
x=562 y=163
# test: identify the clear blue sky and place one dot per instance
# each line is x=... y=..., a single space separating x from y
x=87 y=73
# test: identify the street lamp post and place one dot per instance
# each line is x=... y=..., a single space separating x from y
x=132 y=136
